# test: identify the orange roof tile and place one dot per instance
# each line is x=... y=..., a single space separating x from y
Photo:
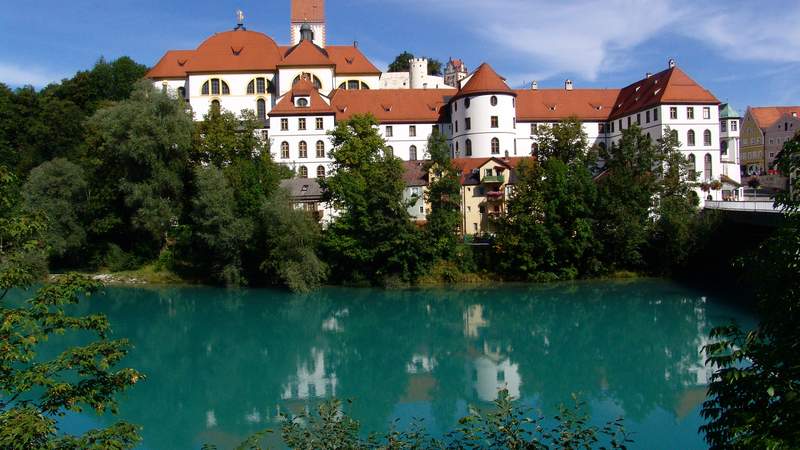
x=671 y=86
x=317 y=104
x=350 y=61
x=485 y=81
x=557 y=104
x=308 y=11
x=392 y=105
x=306 y=53
x=172 y=65
x=238 y=50
x=766 y=116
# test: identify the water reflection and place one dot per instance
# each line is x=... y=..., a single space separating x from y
x=223 y=364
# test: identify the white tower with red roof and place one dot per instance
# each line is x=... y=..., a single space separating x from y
x=308 y=18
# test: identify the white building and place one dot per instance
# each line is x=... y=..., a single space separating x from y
x=302 y=90
x=730 y=122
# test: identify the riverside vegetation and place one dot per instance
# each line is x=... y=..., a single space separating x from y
x=102 y=172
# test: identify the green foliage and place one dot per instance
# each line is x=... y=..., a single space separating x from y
x=443 y=196
x=292 y=237
x=373 y=239
x=401 y=64
x=222 y=138
x=754 y=395
x=58 y=190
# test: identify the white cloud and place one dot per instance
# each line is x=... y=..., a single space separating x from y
x=16 y=75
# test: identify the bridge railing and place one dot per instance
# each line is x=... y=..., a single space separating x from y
x=766 y=206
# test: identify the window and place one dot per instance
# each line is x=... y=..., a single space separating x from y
x=707 y=138
x=389 y=151
x=302 y=102
x=204 y=89
x=629 y=122
x=734 y=125
x=353 y=84
x=265 y=135
x=487 y=172
x=412 y=153
x=321 y=172
x=647 y=116
x=467 y=123
x=638 y=118
x=495 y=146
x=303 y=171
x=307 y=76
x=620 y=125
x=303 y=149
x=706 y=112
x=690 y=113
x=723 y=149
x=692 y=168
x=389 y=131
x=301 y=123
x=690 y=138
x=466 y=103
x=493 y=100
x=320 y=123
x=320 y=149
x=468 y=147
x=182 y=92
x=215 y=106
x=514 y=123
x=261 y=109
x=284 y=124
x=707 y=167
x=673 y=112
x=214 y=86
x=655 y=115
x=601 y=128
x=457 y=149
x=534 y=128
x=534 y=149
x=412 y=130
x=284 y=150
x=494 y=122
x=612 y=127
x=455 y=125
x=724 y=126
x=257 y=86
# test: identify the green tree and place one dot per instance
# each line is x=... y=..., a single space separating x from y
x=58 y=190
x=373 y=239
x=754 y=395
x=140 y=161
x=443 y=196
x=402 y=63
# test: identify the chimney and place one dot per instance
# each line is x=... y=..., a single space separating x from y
x=534 y=85
x=568 y=85
x=355 y=44
x=648 y=74
x=672 y=63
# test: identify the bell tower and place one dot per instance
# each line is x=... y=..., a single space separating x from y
x=308 y=20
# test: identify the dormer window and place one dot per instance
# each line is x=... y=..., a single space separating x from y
x=302 y=102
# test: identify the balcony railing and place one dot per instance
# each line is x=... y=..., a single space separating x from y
x=496 y=179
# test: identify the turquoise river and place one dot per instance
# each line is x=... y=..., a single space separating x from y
x=221 y=364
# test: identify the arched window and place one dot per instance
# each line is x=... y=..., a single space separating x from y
x=303 y=172
x=261 y=109
x=225 y=89
x=468 y=147
x=707 y=138
x=259 y=86
x=690 y=138
x=284 y=150
x=674 y=134
x=495 y=146
x=215 y=106
x=534 y=149
x=182 y=92
x=723 y=148
x=321 y=172
x=303 y=149
x=692 y=168
x=412 y=153
x=493 y=100
x=466 y=103
x=217 y=87
x=320 y=149
x=307 y=76
x=204 y=89
x=707 y=168
x=353 y=85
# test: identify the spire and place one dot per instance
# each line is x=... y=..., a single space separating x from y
x=239 y=20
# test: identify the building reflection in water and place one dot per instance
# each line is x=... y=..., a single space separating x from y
x=311 y=380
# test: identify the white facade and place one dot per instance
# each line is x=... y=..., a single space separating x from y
x=317 y=143
x=484 y=125
x=236 y=100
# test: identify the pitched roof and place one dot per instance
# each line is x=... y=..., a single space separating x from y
x=727 y=112
x=349 y=60
x=238 y=50
x=392 y=105
x=308 y=11
x=669 y=86
x=302 y=189
x=557 y=104
x=173 y=64
x=468 y=167
x=306 y=53
x=317 y=104
x=485 y=81
x=766 y=116
x=415 y=173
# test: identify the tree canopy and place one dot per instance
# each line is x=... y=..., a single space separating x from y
x=402 y=63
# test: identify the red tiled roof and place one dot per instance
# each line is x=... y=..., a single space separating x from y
x=173 y=64
x=557 y=104
x=392 y=105
x=306 y=53
x=317 y=104
x=485 y=81
x=414 y=173
x=350 y=61
x=308 y=11
x=238 y=50
x=766 y=116
x=671 y=86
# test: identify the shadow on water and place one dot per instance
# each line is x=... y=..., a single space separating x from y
x=222 y=364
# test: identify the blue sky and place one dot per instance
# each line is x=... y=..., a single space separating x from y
x=745 y=52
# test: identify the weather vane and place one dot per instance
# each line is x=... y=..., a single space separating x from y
x=240 y=20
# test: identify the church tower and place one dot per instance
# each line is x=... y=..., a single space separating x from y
x=308 y=20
